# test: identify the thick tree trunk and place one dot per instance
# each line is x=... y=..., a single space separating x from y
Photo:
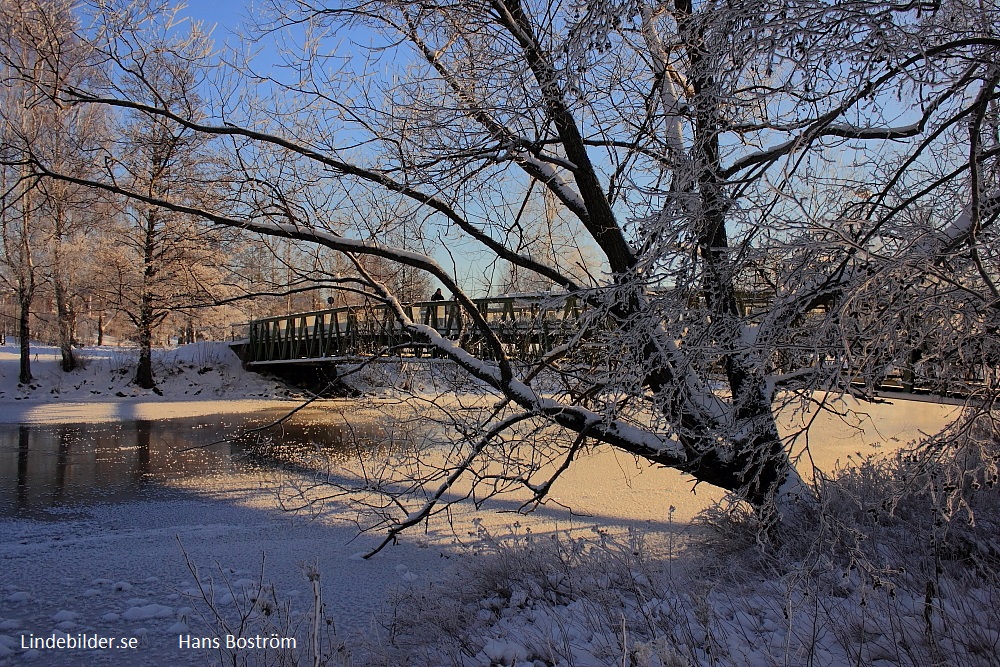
x=759 y=463
x=144 y=371
x=64 y=312
x=24 y=335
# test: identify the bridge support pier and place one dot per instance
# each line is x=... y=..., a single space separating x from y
x=320 y=378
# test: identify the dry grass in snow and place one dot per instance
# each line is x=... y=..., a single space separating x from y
x=899 y=566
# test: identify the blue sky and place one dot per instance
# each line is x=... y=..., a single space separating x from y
x=227 y=14
x=222 y=18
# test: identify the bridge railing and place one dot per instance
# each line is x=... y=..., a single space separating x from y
x=526 y=326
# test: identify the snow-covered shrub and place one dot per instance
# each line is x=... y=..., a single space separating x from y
x=83 y=360
x=903 y=563
x=204 y=355
x=122 y=361
x=526 y=599
x=200 y=357
x=899 y=566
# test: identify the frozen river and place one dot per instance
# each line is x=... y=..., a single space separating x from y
x=46 y=468
x=97 y=519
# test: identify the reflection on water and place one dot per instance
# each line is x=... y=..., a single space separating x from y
x=46 y=467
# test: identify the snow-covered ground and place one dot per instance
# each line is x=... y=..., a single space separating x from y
x=119 y=571
x=198 y=379
x=504 y=589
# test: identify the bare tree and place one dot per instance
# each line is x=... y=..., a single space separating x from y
x=19 y=261
x=67 y=213
x=165 y=259
x=39 y=36
x=749 y=175
x=34 y=34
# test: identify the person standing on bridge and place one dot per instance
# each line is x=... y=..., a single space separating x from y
x=431 y=317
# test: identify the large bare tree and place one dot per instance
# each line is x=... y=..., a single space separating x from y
x=42 y=216
x=160 y=261
x=787 y=198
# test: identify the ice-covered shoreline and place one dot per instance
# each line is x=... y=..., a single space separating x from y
x=117 y=569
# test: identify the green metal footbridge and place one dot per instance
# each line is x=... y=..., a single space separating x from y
x=528 y=328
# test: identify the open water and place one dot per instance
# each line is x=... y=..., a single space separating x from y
x=46 y=471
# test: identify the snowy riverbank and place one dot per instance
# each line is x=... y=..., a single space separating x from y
x=192 y=380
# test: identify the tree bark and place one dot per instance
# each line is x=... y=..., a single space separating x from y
x=24 y=333
x=760 y=463
x=64 y=310
x=144 y=371
x=25 y=291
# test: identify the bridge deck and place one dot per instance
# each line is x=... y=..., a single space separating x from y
x=526 y=327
